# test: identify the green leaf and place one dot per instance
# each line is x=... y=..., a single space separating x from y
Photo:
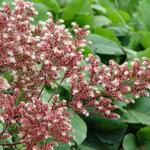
x=20 y=147
x=129 y=142
x=145 y=41
x=104 y=123
x=46 y=94
x=144 y=138
x=87 y=51
x=102 y=45
x=128 y=5
x=99 y=8
x=138 y=112
x=71 y=9
x=106 y=33
x=132 y=116
x=125 y=15
x=80 y=128
x=117 y=16
x=135 y=39
x=62 y=147
x=120 y=30
x=144 y=13
x=100 y=21
x=84 y=19
x=86 y=7
x=1 y=127
x=141 y=105
x=8 y=76
x=62 y=3
x=131 y=54
x=104 y=133
x=51 y=4
x=145 y=53
x=92 y=143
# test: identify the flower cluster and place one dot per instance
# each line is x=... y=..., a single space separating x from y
x=106 y=84
x=31 y=53
x=35 y=122
x=48 y=54
x=36 y=54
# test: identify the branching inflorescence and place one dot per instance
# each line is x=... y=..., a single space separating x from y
x=48 y=53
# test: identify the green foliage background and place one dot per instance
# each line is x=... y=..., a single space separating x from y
x=120 y=30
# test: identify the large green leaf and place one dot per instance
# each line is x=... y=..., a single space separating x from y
x=86 y=7
x=100 y=21
x=51 y=4
x=77 y=7
x=103 y=133
x=130 y=143
x=93 y=143
x=84 y=19
x=145 y=41
x=80 y=128
x=102 y=45
x=134 y=39
x=117 y=16
x=106 y=33
x=62 y=147
x=71 y=9
x=120 y=30
x=145 y=53
x=138 y=112
x=99 y=8
x=144 y=13
x=132 y=116
x=130 y=54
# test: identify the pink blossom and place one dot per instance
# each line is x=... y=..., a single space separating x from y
x=36 y=121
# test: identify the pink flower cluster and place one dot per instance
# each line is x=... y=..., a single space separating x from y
x=49 y=54
x=35 y=122
x=36 y=54
x=98 y=85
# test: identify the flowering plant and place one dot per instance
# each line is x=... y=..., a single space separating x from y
x=48 y=54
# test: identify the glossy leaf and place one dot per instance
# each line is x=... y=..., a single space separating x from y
x=80 y=128
x=106 y=33
x=51 y=4
x=71 y=9
x=62 y=147
x=144 y=13
x=104 y=133
x=145 y=53
x=102 y=45
x=100 y=21
x=84 y=19
x=138 y=112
